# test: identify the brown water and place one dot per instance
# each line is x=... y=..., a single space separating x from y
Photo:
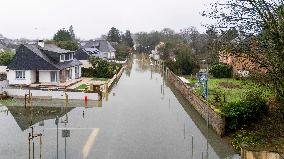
x=138 y=120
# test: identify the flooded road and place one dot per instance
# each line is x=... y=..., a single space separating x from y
x=140 y=118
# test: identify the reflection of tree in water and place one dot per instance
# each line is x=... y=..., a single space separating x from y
x=143 y=62
x=129 y=66
x=26 y=117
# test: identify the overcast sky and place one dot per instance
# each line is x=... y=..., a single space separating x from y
x=92 y=18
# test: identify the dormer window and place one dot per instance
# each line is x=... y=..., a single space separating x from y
x=66 y=57
x=62 y=58
x=72 y=56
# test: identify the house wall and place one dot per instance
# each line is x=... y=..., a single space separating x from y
x=85 y=64
x=29 y=77
x=44 y=77
x=80 y=71
x=33 y=76
x=3 y=69
x=73 y=73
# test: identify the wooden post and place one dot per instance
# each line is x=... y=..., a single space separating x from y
x=25 y=100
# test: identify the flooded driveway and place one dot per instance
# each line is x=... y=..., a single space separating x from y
x=141 y=118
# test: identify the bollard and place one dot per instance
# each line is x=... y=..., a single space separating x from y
x=192 y=146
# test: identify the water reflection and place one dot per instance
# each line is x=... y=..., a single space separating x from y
x=143 y=118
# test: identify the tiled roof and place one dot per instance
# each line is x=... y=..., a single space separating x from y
x=54 y=48
x=102 y=45
x=30 y=57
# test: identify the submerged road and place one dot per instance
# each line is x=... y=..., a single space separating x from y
x=141 y=118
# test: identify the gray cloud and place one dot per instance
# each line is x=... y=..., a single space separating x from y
x=91 y=18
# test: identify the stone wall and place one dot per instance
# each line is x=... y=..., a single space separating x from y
x=246 y=154
x=215 y=120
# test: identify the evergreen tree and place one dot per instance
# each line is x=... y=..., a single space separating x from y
x=71 y=31
x=128 y=39
x=62 y=35
x=114 y=35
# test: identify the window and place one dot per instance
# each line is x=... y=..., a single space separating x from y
x=62 y=57
x=20 y=75
x=72 y=56
x=67 y=57
x=53 y=76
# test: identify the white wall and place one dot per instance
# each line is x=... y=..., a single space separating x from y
x=29 y=77
x=80 y=71
x=3 y=69
x=86 y=63
x=73 y=72
x=52 y=94
x=44 y=77
x=33 y=76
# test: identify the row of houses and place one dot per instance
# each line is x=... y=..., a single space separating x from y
x=48 y=64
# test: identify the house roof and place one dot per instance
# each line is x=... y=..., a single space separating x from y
x=27 y=117
x=30 y=57
x=84 y=54
x=102 y=45
x=54 y=48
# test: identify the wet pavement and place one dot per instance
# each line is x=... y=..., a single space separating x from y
x=142 y=117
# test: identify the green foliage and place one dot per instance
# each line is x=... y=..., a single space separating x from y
x=82 y=87
x=65 y=39
x=221 y=71
x=6 y=57
x=101 y=68
x=114 y=35
x=261 y=37
x=185 y=61
x=62 y=35
x=68 y=45
x=122 y=51
x=244 y=137
x=71 y=32
x=127 y=39
x=172 y=66
x=246 y=111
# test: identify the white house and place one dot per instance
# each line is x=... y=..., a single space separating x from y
x=46 y=64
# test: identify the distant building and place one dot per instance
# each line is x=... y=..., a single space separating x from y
x=107 y=50
x=241 y=63
x=43 y=63
x=83 y=55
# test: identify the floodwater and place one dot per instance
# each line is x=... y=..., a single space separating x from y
x=142 y=117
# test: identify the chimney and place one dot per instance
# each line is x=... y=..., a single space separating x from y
x=40 y=43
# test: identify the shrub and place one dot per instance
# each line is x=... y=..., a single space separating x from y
x=241 y=113
x=88 y=72
x=101 y=69
x=221 y=71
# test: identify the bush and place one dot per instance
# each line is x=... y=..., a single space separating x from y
x=241 y=113
x=221 y=71
x=101 y=69
x=88 y=72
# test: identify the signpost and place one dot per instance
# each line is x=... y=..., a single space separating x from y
x=203 y=80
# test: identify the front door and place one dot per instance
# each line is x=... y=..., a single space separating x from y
x=37 y=76
x=76 y=72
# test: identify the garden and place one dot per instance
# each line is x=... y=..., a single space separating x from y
x=246 y=106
